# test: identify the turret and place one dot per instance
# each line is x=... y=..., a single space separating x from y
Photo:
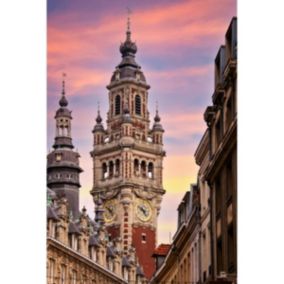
x=98 y=130
x=63 y=162
x=157 y=130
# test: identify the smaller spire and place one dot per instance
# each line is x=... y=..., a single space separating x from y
x=63 y=101
x=99 y=118
x=157 y=117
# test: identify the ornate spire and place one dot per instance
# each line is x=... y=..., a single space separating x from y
x=128 y=48
x=157 y=117
x=99 y=118
x=63 y=101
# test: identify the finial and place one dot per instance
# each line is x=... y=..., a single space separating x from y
x=99 y=119
x=128 y=32
x=63 y=83
x=63 y=102
x=157 y=117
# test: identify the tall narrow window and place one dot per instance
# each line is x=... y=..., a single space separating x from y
x=63 y=274
x=51 y=270
x=137 y=105
x=111 y=169
x=105 y=173
x=143 y=169
x=117 y=167
x=74 y=277
x=136 y=167
x=117 y=104
x=150 y=170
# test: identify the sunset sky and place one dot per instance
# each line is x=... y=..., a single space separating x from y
x=177 y=43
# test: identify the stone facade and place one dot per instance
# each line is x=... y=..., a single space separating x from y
x=181 y=265
x=204 y=246
x=128 y=160
x=79 y=249
x=221 y=172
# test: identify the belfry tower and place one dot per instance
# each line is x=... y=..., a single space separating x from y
x=63 y=162
x=128 y=160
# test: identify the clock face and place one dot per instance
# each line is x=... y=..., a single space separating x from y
x=143 y=210
x=110 y=210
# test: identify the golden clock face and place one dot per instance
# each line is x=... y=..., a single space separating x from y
x=143 y=210
x=110 y=210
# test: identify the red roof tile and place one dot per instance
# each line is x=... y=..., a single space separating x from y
x=162 y=249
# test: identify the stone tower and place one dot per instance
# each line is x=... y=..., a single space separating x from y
x=128 y=160
x=63 y=162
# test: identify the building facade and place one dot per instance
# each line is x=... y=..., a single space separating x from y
x=204 y=248
x=78 y=248
x=221 y=172
x=181 y=264
x=128 y=160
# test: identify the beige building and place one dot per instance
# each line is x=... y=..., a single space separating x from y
x=79 y=249
x=181 y=264
x=204 y=248
x=202 y=159
x=221 y=172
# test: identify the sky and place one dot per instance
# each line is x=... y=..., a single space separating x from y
x=177 y=43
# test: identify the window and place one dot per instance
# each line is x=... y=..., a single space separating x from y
x=111 y=169
x=117 y=104
x=63 y=274
x=143 y=169
x=231 y=250
x=117 y=167
x=58 y=157
x=74 y=277
x=105 y=173
x=143 y=236
x=137 y=105
x=150 y=170
x=136 y=167
x=51 y=270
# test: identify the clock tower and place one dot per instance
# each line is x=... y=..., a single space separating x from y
x=128 y=160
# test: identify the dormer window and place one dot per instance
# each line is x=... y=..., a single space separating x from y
x=138 y=76
x=58 y=157
x=117 y=75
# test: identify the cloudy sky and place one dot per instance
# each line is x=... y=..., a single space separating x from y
x=177 y=43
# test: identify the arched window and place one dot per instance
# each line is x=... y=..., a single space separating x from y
x=136 y=167
x=111 y=169
x=150 y=170
x=137 y=105
x=117 y=167
x=105 y=173
x=117 y=105
x=143 y=169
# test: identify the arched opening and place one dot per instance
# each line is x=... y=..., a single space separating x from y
x=150 y=170
x=105 y=173
x=143 y=169
x=111 y=168
x=117 y=167
x=117 y=104
x=137 y=105
x=136 y=167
